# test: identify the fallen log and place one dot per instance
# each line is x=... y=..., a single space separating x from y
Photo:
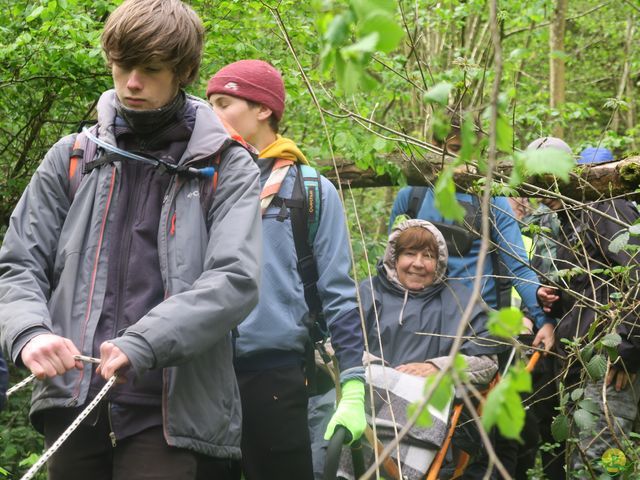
x=587 y=182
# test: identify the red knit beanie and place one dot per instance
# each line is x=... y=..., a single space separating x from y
x=252 y=80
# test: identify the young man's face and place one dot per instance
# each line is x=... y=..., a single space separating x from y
x=244 y=118
x=144 y=87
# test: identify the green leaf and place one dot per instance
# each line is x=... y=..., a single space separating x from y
x=503 y=406
x=30 y=460
x=439 y=93
x=441 y=126
x=584 y=420
x=613 y=354
x=590 y=406
x=504 y=135
x=338 y=31
x=560 y=428
x=597 y=367
x=442 y=394
x=445 y=197
x=364 y=7
x=389 y=32
x=366 y=44
x=506 y=322
x=620 y=241
x=634 y=229
x=469 y=139
x=577 y=394
x=547 y=160
x=611 y=340
x=35 y=13
x=424 y=418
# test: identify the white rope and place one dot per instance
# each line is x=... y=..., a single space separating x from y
x=88 y=409
x=21 y=384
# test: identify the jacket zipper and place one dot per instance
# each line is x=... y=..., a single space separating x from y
x=125 y=245
x=76 y=392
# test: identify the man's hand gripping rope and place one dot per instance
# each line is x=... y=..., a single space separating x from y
x=108 y=368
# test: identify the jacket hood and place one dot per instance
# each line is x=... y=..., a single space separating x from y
x=388 y=266
x=207 y=138
x=286 y=149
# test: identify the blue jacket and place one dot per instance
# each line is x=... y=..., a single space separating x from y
x=280 y=320
x=505 y=233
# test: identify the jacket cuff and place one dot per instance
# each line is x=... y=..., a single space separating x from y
x=138 y=351
x=355 y=373
x=347 y=340
x=22 y=339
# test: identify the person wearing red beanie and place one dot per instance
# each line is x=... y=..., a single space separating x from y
x=270 y=350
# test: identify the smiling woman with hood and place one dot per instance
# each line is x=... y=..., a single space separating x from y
x=414 y=312
x=412 y=315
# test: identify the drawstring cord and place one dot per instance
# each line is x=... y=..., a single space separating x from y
x=404 y=304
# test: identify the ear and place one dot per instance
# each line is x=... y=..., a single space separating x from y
x=264 y=112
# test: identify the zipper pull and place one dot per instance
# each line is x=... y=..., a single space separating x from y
x=112 y=436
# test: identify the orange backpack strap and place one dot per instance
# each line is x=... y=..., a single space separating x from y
x=82 y=152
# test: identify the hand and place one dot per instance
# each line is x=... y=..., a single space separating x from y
x=112 y=359
x=350 y=411
x=527 y=326
x=547 y=296
x=545 y=336
x=418 y=369
x=48 y=355
x=620 y=378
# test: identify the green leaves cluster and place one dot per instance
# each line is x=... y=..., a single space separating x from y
x=353 y=36
x=503 y=406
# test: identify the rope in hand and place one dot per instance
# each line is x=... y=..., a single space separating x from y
x=71 y=428
x=21 y=384
x=32 y=377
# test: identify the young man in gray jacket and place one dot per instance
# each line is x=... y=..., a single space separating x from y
x=148 y=265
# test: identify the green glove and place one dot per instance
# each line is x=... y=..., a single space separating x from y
x=350 y=411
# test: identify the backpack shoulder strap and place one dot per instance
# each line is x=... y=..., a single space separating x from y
x=313 y=200
x=82 y=152
x=208 y=186
x=502 y=282
x=304 y=223
x=416 y=197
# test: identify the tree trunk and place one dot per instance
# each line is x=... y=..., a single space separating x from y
x=556 y=61
x=588 y=182
x=624 y=93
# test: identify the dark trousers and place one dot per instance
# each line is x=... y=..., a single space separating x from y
x=89 y=454
x=275 y=431
x=518 y=458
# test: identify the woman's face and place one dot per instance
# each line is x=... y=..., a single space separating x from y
x=416 y=268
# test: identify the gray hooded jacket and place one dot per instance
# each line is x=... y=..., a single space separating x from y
x=407 y=326
x=53 y=269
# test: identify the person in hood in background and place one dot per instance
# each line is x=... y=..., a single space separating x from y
x=134 y=268
x=249 y=96
x=592 y=299
x=412 y=312
x=414 y=299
